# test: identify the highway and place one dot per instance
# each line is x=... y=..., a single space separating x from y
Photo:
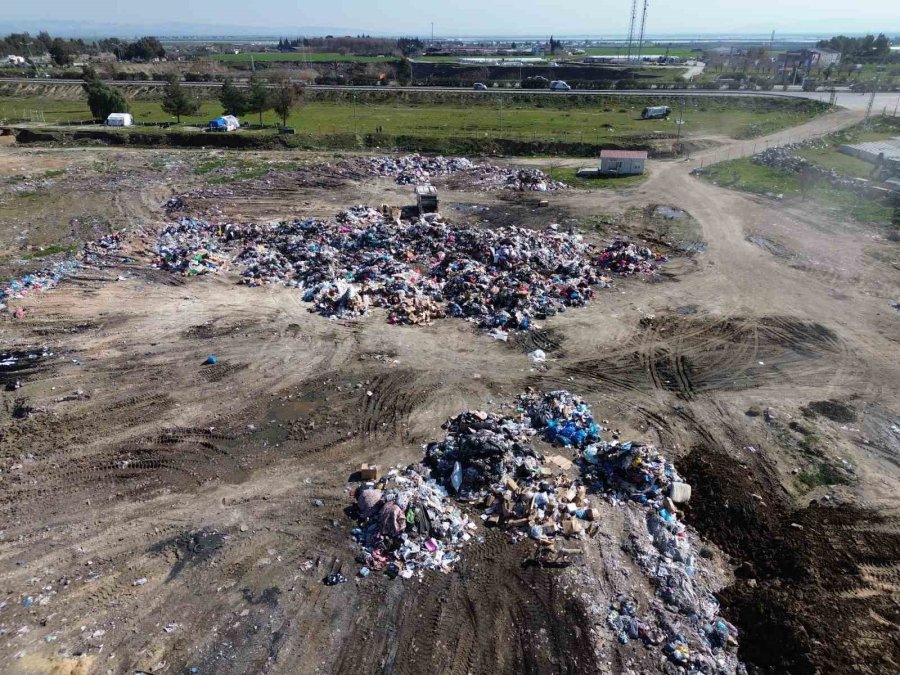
x=889 y=101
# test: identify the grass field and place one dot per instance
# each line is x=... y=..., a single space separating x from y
x=518 y=121
x=614 y=50
x=568 y=175
x=744 y=175
x=298 y=56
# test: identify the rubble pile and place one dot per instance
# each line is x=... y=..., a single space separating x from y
x=785 y=158
x=415 y=169
x=488 y=459
x=190 y=247
x=625 y=258
x=489 y=177
x=500 y=279
x=407 y=524
x=419 y=170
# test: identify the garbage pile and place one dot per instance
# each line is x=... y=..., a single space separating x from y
x=500 y=279
x=625 y=258
x=415 y=169
x=190 y=247
x=489 y=177
x=98 y=253
x=785 y=158
x=419 y=170
x=40 y=280
x=489 y=460
x=406 y=524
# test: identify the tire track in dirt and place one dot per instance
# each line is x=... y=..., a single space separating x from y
x=692 y=357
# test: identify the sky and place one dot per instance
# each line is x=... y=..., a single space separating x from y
x=473 y=17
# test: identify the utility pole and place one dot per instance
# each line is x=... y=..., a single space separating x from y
x=500 y=100
x=432 y=33
x=643 y=24
x=631 y=30
x=871 y=103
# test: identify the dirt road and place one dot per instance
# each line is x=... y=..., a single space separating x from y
x=160 y=515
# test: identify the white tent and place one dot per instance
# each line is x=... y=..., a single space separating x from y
x=119 y=120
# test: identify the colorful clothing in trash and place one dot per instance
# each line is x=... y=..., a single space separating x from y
x=393 y=520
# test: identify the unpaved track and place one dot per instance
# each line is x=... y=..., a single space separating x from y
x=201 y=480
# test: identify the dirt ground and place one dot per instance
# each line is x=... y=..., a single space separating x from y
x=160 y=514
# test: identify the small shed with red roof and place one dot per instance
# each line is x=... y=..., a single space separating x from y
x=622 y=162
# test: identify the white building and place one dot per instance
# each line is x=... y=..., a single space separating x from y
x=622 y=162
x=14 y=60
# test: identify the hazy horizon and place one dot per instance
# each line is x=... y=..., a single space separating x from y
x=463 y=18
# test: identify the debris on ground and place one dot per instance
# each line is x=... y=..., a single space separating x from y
x=502 y=279
x=414 y=169
x=489 y=461
x=407 y=524
x=489 y=177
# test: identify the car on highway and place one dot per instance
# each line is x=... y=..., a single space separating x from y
x=559 y=85
x=479 y=86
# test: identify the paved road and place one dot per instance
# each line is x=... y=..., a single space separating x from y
x=889 y=102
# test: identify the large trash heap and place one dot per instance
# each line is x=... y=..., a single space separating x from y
x=502 y=278
x=407 y=521
x=421 y=170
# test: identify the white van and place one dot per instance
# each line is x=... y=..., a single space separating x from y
x=559 y=85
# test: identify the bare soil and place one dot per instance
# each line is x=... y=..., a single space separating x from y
x=160 y=513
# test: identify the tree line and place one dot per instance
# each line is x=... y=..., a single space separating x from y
x=868 y=49
x=258 y=98
x=361 y=45
x=63 y=51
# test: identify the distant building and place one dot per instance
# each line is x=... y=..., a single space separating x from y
x=807 y=59
x=622 y=162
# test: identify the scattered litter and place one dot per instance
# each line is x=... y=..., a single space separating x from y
x=210 y=360
x=538 y=356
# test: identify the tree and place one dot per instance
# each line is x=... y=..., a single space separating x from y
x=404 y=71
x=61 y=52
x=101 y=98
x=284 y=98
x=233 y=100
x=176 y=101
x=259 y=99
x=145 y=49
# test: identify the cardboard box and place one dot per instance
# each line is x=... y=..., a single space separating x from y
x=560 y=461
x=369 y=472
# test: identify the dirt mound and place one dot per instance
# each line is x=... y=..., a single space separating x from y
x=833 y=410
x=817 y=588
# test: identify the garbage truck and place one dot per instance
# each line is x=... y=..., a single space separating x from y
x=656 y=112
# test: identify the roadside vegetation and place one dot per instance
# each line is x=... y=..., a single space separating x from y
x=745 y=175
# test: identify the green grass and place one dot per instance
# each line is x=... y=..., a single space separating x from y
x=458 y=117
x=274 y=57
x=821 y=474
x=47 y=251
x=832 y=158
x=744 y=175
x=568 y=175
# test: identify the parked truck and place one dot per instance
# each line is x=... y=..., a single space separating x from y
x=656 y=112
